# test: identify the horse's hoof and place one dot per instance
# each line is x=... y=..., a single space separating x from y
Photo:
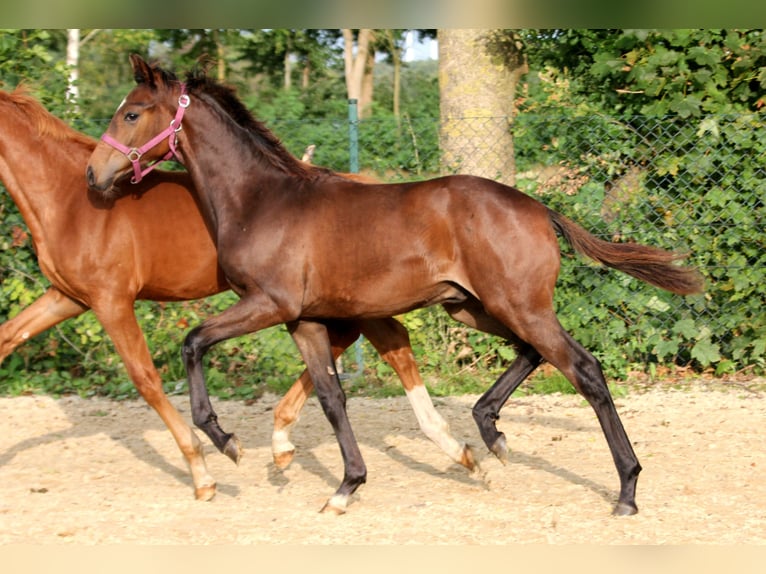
x=467 y=459
x=233 y=449
x=283 y=459
x=336 y=505
x=500 y=449
x=332 y=509
x=625 y=509
x=205 y=493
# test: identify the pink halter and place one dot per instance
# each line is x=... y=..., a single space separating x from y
x=134 y=154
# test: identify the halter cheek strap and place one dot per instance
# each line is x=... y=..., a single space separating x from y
x=134 y=154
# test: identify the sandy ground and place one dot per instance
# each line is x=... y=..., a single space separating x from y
x=93 y=471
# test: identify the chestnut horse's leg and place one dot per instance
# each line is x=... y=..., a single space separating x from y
x=392 y=341
x=50 y=309
x=314 y=344
x=286 y=413
x=119 y=321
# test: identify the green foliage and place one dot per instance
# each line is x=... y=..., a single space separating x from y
x=657 y=72
x=698 y=146
x=701 y=189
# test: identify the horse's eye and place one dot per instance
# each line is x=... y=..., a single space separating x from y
x=131 y=117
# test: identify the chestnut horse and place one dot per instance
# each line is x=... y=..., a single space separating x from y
x=153 y=244
x=300 y=244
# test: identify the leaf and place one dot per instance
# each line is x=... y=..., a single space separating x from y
x=657 y=304
x=506 y=353
x=706 y=352
x=666 y=348
x=686 y=106
x=708 y=125
x=687 y=328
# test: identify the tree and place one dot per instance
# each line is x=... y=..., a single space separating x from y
x=478 y=74
x=657 y=72
x=358 y=67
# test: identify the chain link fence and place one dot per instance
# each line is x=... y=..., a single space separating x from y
x=692 y=185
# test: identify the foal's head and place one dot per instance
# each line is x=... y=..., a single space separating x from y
x=145 y=113
x=143 y=129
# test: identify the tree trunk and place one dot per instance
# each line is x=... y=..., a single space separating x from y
x=288 y=71
x=72 y=62
x=356 y=65
x=368 y=83
x=220 y=61
x=305 y=75
x=476 y=90
x=396 y=57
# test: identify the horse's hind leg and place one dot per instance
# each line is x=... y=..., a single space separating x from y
x=543 y=331
x=584 y=370
x=486 y=411
x=119 y=322
x=342 y=335
x=286 y=414
x=314 y=345
x=391 y=340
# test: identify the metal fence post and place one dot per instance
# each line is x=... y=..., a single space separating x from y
x=353 y=167
x=353 y=136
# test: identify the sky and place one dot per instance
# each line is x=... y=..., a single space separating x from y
x=419 y=50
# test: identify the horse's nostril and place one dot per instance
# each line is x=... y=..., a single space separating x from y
x=90 y=177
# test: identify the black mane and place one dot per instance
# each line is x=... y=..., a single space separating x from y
x=197 y=82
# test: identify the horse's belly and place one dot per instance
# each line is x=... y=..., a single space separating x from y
x=379 y=300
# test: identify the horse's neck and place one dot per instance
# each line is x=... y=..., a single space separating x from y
x=211 y=168
x=38 y=173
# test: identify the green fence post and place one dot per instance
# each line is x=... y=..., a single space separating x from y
x=353 y=137
x=353 y=167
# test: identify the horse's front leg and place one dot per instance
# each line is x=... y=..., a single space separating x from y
x=247 y=315
x=314 y=345
x=119 y=322
x=286 y=413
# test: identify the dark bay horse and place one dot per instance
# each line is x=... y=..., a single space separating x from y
x=151 y=244
x=301 y=244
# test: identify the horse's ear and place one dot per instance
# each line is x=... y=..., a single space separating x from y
x=142 y=72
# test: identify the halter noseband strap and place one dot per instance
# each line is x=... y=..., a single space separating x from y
x=134 y=154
